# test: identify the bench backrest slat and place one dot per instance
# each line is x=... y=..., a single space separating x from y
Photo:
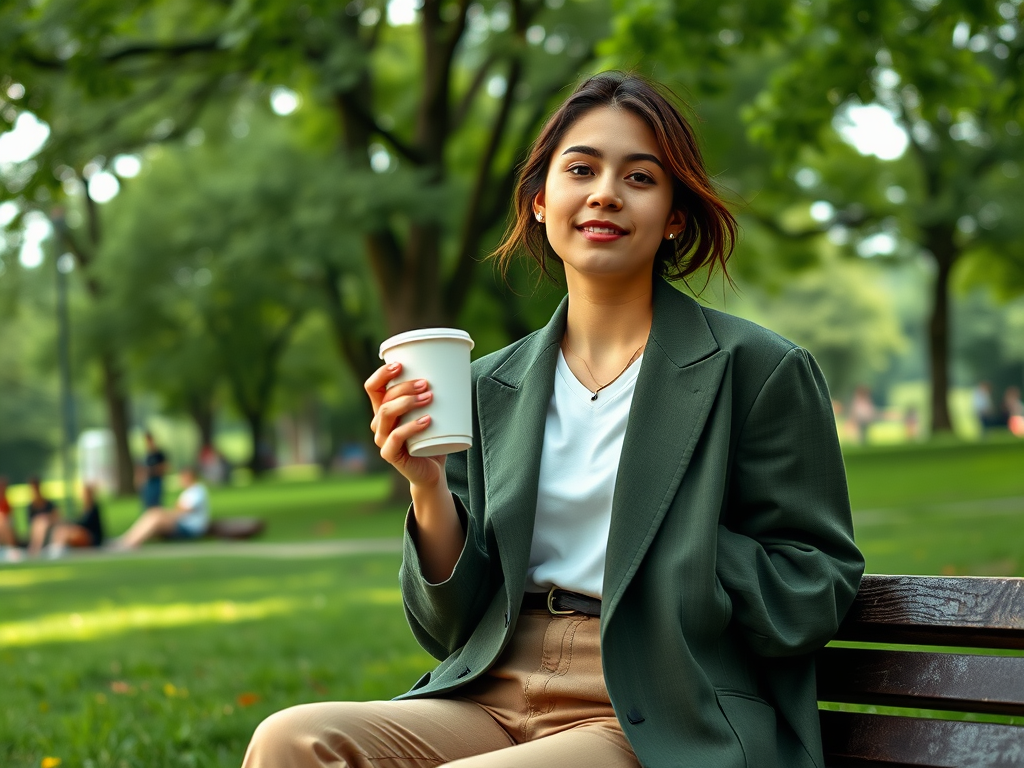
x=949 y=613
x=852 y=738
x=965 y=611
x=953 y=681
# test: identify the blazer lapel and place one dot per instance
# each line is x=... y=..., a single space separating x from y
x=679 y=379
x=512 y=406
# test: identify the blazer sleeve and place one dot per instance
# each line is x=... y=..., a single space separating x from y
x=786 y=554
x=443 y=615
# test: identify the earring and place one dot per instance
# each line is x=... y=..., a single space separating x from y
x=540 y=217
x=671 y=235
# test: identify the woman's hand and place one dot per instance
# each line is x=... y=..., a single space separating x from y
x=389 y=406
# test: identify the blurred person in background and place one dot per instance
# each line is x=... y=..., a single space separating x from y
x=8 y=542
x=1013 y=411
x=984 y=409
x=189 y=518
x=86 y=531
x=43 y=514
x=862 y=412
x=154 y=468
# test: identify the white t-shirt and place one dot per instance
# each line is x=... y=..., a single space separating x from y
x=579 y=462
x=196 y=499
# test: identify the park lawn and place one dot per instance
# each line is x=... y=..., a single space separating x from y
x=109 y=662
x=174 y=663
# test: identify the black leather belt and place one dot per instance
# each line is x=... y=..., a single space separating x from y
x=561 y=601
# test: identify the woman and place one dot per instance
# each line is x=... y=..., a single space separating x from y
x=86 y=531
x=43 y=514
x=652 y=531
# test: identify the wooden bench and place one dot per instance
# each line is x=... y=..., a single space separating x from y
x=956 y=618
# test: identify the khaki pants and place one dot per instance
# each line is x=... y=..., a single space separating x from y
x=544 y=703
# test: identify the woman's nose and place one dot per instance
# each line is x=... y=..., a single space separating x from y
x=604 y=195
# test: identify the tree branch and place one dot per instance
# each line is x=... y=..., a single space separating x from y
x=355 y=110
x=462 y=112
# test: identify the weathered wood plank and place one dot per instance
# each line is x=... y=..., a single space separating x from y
x=858 y=739
x=963 y=683
x=932 y=610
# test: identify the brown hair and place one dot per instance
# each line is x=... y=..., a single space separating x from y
x=710 y=231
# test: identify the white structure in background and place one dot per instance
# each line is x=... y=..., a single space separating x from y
x=96 y=459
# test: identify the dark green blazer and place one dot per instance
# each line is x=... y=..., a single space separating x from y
x=730 y=557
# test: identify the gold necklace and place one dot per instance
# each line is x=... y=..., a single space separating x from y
x=593 y=378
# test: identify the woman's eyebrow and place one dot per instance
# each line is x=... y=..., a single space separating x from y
x=583 y=149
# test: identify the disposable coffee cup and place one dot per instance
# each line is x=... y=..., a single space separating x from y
x=441 y=356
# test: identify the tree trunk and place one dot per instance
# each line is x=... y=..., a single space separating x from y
x=939 y=240
x=117 y=413
x=201 y=411
x=257 y=463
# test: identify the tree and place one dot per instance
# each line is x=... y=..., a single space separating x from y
x=951 y=76
x=211 y=263
x=453 y=97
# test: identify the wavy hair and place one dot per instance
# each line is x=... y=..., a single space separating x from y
x=710 y=231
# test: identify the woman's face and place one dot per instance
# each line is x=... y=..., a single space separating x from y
x=607 y=198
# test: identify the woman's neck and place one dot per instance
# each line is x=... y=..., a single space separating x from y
x=605 y=327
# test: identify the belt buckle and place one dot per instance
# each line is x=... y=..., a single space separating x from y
x=551 y=606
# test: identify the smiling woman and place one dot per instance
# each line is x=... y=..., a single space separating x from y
x=650 y=535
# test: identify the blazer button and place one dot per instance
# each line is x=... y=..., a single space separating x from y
x=634 y=716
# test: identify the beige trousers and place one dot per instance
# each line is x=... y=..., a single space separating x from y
x=544 y=703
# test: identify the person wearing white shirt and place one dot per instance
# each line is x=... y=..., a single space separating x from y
x=189 y=518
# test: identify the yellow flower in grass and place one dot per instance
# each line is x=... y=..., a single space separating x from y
x=50 y=762
x=170 y=689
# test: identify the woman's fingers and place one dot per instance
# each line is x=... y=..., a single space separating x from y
x=393 y=449
x=377 y=385
x=392 y=411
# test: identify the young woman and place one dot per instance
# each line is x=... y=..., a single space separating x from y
x=651 y=533
x=86 y=531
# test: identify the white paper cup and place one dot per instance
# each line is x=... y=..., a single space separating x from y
x=441 y=356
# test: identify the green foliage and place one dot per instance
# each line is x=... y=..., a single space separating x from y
x=841 y=313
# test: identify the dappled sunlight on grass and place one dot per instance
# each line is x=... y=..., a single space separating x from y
x=377 y=597
x=24 y=577
x=114 y=620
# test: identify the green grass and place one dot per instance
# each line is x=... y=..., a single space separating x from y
x=111 y=663
x=157 y=663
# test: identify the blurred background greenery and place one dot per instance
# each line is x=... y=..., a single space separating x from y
x=243 y=200
x=235 y=202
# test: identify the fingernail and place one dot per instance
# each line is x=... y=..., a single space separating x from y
x=421 y=384
x=423 y=420
x=423 y=398
x=393 y=367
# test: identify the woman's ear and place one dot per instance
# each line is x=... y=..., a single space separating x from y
x=538 y=206
x=675 y=225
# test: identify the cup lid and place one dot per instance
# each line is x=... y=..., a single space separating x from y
x=422 y=334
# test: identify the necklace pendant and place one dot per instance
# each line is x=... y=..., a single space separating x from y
x=594 y=397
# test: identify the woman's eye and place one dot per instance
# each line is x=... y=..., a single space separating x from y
x=641 y=177
x=579 y=170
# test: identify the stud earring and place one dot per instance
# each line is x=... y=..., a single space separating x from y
x=671 y=235
x=540 y=217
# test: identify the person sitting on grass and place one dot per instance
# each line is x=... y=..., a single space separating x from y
x=8 y=541
x=188 y=520
x=86 y=531
x=42 y=514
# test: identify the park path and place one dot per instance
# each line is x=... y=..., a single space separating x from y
x=342 y=547
x=1013 y=505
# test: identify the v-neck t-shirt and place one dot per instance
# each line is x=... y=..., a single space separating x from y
x=579 y=462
